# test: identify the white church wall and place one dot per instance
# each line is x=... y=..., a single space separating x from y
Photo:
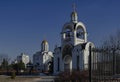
x=86 y=52
x=86 y=55
x=56 y=65
x=56 y=56
x=74 y=60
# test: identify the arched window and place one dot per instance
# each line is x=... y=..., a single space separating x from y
x=68 y=33
x=80 y=33
x=77 y=62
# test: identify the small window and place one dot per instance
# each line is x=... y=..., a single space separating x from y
x=58 y=64
x=77 y=62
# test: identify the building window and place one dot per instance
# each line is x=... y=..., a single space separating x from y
x=77 y=63
x=80 y=32
x=77 y=50
x=58 y=64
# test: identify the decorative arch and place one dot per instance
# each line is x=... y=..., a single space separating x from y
x=89 y=44
x=81 y=25
x=80 y=31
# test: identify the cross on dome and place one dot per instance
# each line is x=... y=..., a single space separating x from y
x=74 y=17
x=74 y=7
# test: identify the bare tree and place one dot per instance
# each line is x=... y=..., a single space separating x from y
x=112 y=45
x=113 y=41
x=4 y=56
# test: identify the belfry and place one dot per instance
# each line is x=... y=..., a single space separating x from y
x=74 y=50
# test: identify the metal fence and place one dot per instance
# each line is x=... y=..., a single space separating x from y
x=104 y=65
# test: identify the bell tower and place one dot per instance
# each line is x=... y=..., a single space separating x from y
x=73 y=32
x=71 y=54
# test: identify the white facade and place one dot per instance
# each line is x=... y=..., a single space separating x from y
x=42 y=59
x=74 y=50
x=24 y=58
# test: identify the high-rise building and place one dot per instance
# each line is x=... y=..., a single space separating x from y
x=24 y=58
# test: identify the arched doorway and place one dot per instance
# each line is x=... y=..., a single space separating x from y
x=67 y=63
x=67 y=57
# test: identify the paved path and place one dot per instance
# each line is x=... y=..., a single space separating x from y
x=45 y=79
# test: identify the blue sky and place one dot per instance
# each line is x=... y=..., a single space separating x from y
x=25 y=23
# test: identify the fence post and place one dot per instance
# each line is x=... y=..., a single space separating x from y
x=114 y=62
x=90 y=70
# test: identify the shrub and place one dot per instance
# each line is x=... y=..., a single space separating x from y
x=73 y=76
x=13 y=75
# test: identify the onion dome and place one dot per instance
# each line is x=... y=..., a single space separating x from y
x=44 y=46
x=74 y=17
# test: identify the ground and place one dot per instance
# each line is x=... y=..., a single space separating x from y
x=19 y=79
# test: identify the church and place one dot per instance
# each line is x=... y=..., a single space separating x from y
x=74 y=50
x=43 y=58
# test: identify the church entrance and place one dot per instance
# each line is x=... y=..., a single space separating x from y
x=67 y=63
x=67 y=57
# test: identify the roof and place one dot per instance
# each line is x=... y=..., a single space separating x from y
x=44 y=42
